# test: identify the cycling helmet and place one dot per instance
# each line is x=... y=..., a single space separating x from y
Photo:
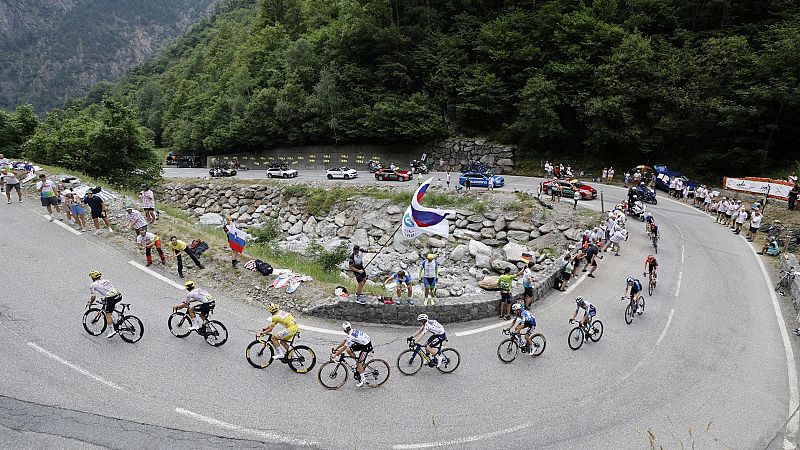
x=95 y=275
x=346 y=326
x=189 y=285
x=635 y=197
x=516 y=307
x=273 y=308
x=422 y=317
x=431 y=256
x=578 y=300
x=629 y=280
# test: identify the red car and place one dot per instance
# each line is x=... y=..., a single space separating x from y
x=568 y=188
x=393 y=175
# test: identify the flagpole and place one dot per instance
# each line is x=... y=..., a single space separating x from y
x=384 y=245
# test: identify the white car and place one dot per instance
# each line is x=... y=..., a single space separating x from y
x=281 y=172
x=345 y=173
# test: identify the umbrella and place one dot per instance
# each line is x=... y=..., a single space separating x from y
x=643 y=167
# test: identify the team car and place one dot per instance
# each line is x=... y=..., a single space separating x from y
x=281 y=172
x=345 y=173
x=568 y=188
x=481 y=180
x=393 y=175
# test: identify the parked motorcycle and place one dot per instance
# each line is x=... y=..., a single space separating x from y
x=374 y=166
x=418 y=167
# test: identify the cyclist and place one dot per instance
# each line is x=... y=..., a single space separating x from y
x=654 y=235
x=589 y=311
x=203 y=303
x=356 y=341
x=649 y=221
x=650 y=267
x=281 y=339
x=434 y=341
x=635 y=287
x=103 y=288
x=523 y=320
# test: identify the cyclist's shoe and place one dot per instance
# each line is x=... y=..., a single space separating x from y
x=360 y=382
x=112 y=333
x=533 y=350
x=439 y=362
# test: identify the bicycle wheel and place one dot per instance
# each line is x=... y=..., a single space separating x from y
x=259 y=354
x=507 y=350
x=451 y=360
x=179 y=324
x=655 y=245
x=130 y=329
x=641 y=306
x=629 y=314
x=376 y=372
x=409 y=362
x=538 y=344
x=301 y=359
x=650 y=289
x=332 y=375
x=597 y=326
x=94 y=321
x=575 y=338
x=215 y=333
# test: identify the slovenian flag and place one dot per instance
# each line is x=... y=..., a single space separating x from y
x=419 y=219
x=237 y=238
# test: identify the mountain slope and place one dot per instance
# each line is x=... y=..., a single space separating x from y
x=54 y=50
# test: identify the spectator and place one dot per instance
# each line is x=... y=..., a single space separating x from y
x=568 y=172
x=10 y=182
x=556 y=171
x=74 y=206
x=575 y=197
x=441 y=165
x=148 y=198
x=755 y=224
x=591 y=255
x=48 y=193
x=610 y=174
x=62 y=200
x=146 y=242
x=626 y=178
x=98 y=211
x=467 y=183
x=678 y=187
x=604 y=176
x=356 y=265
x=402 y=279
x=548 y=169
x=616 y=239
x=429 y=275
x=178 y=247
x=237 y=240
x=792 y=195
x=741 y=217
x=527 y=283
x=637 y=177
x=672 y=186
x=566 y=272
x=4 y=162
x=506 y=283
x=791 y=178
x=135 y=219
x=448 y=180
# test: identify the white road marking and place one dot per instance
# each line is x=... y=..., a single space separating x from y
x=678 y=287
x=64 y=226
x=74 y=367
x=683 y=248
x=482 y=329
x=569 y=289
x=276 y=438
x=301 y=326
x=464 y=440
x=666 y=327
x=156 y=275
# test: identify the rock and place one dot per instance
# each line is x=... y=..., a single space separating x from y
x=519 y=236
x=244 y=218
x=498 y=265
x=297 y=243
x=513 y=252
x=487 y=223
x=489 y=283
x=538 y=267
x=492 y=242
x=459 y=254
x=520 y=226
x=437 y=243
x=573 y=234
x=394 y=209
x=505 y=162
x=500 y=224
x=261 y=209
x=483 y=262
x=345 y=232
x=211 y=219
x=382 y=224
x=563 y=227
x=479 y=248
x=285 y=226
x=297 y=228
x=326 y=229
x=411 y=257
x=546 y=228
x=488 y=233
x=501 y=235
x=461 y=233
x=535 y=233
x=340 y=219
x=476 y=218
x=311 y=226
x=360 y=238
x=475 y=226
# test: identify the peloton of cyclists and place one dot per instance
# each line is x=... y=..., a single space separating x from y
x=633 y=288
x=437 y=336
x=589 y=311
x=356 y=341
x=197 y=301
x=525 y=324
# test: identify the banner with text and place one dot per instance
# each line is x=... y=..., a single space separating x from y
x=763 y=186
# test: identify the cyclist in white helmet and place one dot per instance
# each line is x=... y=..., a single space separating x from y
x=589 y=312
x=356 y=341
x=435 y=340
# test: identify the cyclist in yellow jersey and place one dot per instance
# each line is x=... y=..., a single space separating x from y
x=280 y=340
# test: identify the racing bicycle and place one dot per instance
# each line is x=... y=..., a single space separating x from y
x=580 y=333
x=509 y=348
x=654 y=238
x=129 y=327
x=260 y=354
x=629 y=312
x=334 y=374
x=410 y=361
x=651 y=284
x=213 y=331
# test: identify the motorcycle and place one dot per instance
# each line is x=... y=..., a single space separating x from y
x=646 y=194
x=418 y=167
x=374 y=166
x=637 y=210
x=219 y=172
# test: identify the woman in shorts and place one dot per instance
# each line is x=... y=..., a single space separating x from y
x=74 y=207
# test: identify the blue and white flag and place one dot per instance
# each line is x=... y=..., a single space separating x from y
x=418 y=219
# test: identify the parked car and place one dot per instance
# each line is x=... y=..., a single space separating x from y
x=219 y=172
x=568 y=188
x=281 y=172
x=172 y=159
x=344 y=173
x=393 y=175
x=481 y=179
x=190 y=161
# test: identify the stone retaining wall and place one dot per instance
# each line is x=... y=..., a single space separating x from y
x=457 y=151
x=787 y=263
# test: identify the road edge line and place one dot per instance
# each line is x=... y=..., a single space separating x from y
x=155 y=274
x=276 y=438
x=74 y=367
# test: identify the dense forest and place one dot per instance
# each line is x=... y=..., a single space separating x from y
x=55 y=50
x=710 y=84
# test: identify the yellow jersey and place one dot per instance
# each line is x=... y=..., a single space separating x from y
x=285 y=319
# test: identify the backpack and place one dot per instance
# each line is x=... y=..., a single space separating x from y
x=198 y=247
x=263 y=267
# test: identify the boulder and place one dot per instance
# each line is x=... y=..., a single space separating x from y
x=211 y=219
x=394 y=209
x=461 y=233
x=501 y=235
x=459 y=253
x=573 y=234
x=476 y=218
x=345 y=232
x=520 y=226
x=489 y=283
x=488 y=233
x=326 y=229
x=538 y=267
x=437 y=243
x=519 y=236
x=483 y=262
x=479 y=248
x=547 y=228
x=360 y=238
x=513 y=252
x=563 y=226
x=297 y=228
x=498 y=265
x=244 y=218
x=285 y=226
x=311 y=226
x=383 y=224
x=500 y=224
x=488 y=223
x=535 y=233
x=340 y=219
x=475 y=226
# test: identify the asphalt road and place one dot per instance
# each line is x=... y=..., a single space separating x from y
x=705 y=364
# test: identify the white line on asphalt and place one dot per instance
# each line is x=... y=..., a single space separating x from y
x=464 y=440
x=678 y=287
x=275 y=438
x=74 y=367
x=301 y=326
x=571 y=288
x=481 y=329
x=683 y=248
x=669 y=321
x=155 y=274
x=64 y=226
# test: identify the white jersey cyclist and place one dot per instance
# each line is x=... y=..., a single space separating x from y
x=103 y=289
x=199 y=295
x=433 y=327
x=356 y=337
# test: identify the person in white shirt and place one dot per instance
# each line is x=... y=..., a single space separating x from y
x=148 y=203
x=610 y=174
x=48 y=194
x=604 y=176
x=575 y=198
x=136 y=220
x=197 y=301
x=616 y=239
x=435 y=340
x=755 y=224
x=741 y=217
x=11 y=182
x=105 y=290
x=146 y=242
x=356 y=341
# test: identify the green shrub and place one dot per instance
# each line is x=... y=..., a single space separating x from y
x=267 y=232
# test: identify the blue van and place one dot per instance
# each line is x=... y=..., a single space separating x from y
x=664 y=175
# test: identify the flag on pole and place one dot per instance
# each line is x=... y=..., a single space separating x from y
x=418 y=219
x=237 y=238
x=526 y=257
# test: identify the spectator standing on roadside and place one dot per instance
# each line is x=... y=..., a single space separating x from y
x=626 y=178
x=566 y=272
x=616 y=240
x=178 y=247
x=637 y=177
x=506 y=283
x=741 y=217
x=11 y=182
x=527 y=283
x=575 y=197
x=98 y=211
x=429 y=275
x=604 y=176
x=48 y=193
x=74 y=206
x=135 y=219
x=148 y=198
x=441 y=165
x=147 y=241
x=591 y=255
x=467 y=183
x=793 y=194
x=356 y=265
x=4 y=164
x=237 y=240
x=62 y=200
x=755 y=224
x=610 y=174
x=448 y=180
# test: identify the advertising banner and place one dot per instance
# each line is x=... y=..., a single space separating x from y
x=762 y=186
